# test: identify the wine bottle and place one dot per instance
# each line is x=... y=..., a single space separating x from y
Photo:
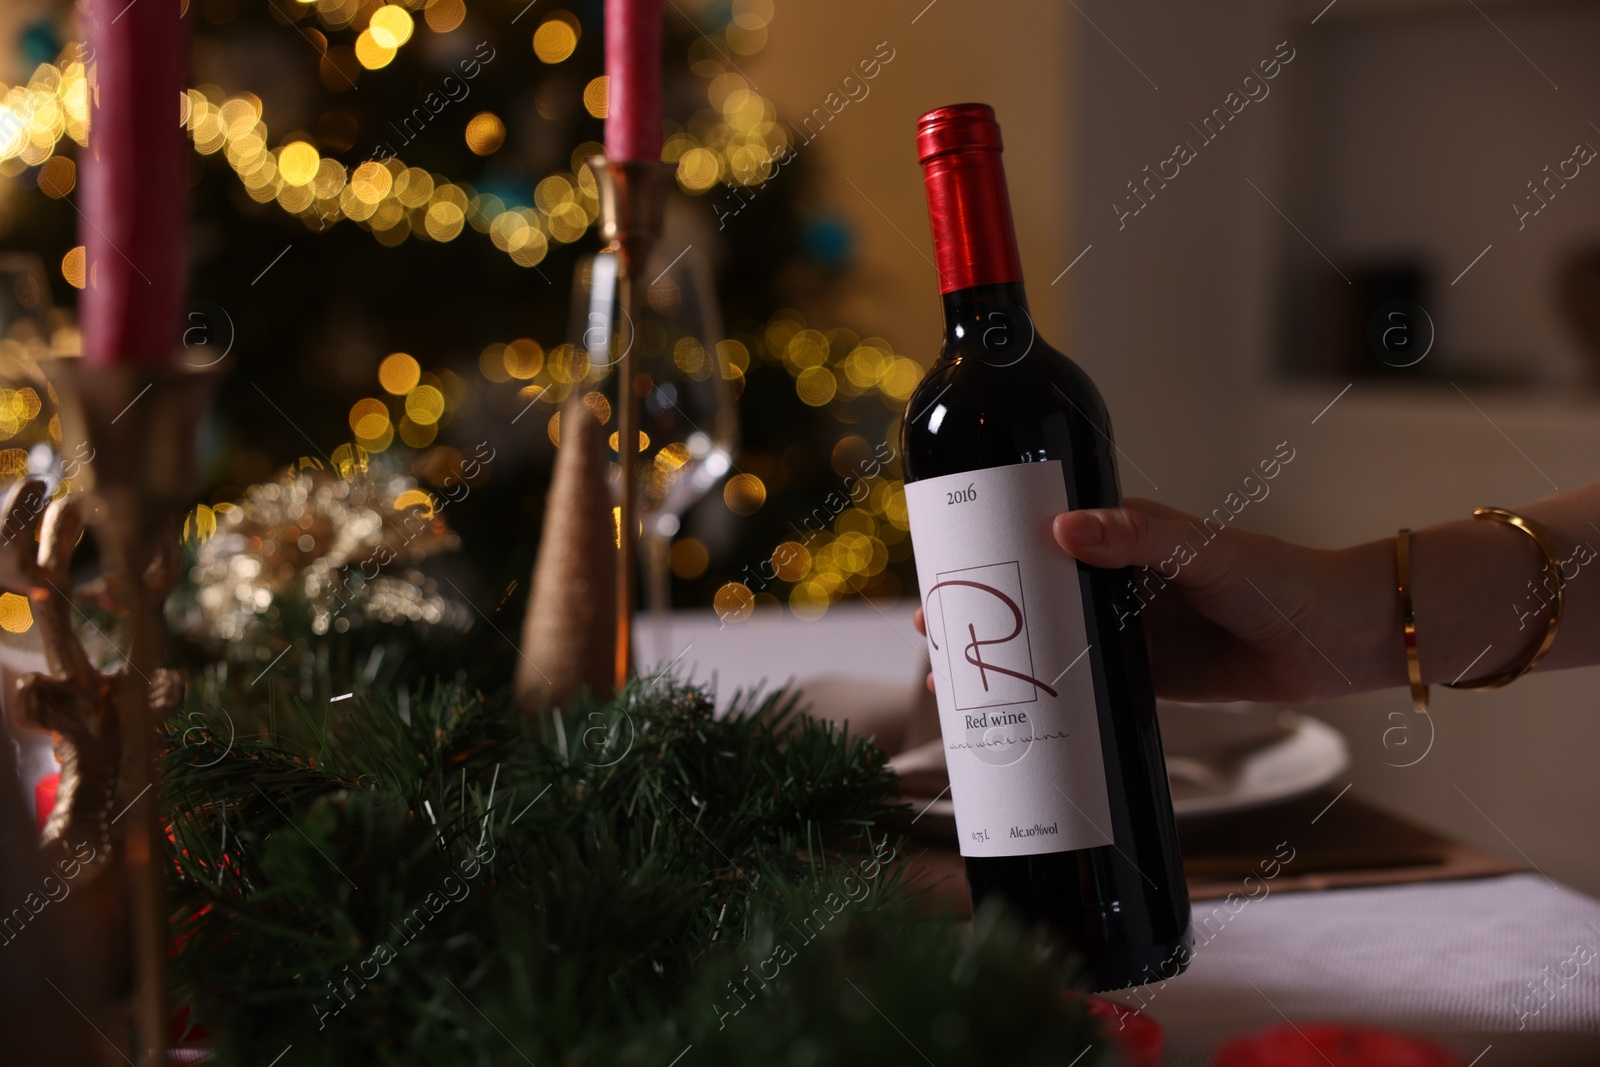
x=1046 y=703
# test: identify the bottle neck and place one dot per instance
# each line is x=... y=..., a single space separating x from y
x=968 y=312
x=974 y=239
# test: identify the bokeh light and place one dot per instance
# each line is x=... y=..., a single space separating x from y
x=698 y=169
x=599 y=406
x=415 y=498
x=744 y=494
x=444 y=220
x=555 y=38
x=57 y=176
x=391 y=26
x=73 y=267
x=369 y=418
x=816 y=386
x=371 y=53
x=594 y=96
x=791 y=560
x=199 y=525
x=644 y=441
x=424 y=405
x=522 y=359
x=399 y=373
x=734 y=602
x=297 y=162
x=16 y=615
x=485 y=133
x=444 y=15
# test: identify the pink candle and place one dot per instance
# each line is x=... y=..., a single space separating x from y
x=633 y=67
x=132 y=203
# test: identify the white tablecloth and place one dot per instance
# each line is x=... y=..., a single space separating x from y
x=1480 y=962
x=1485 y=957
x=852 y=639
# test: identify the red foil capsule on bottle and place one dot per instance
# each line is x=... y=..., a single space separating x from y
x=974 y=239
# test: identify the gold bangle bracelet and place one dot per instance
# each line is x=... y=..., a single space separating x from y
x=1408 y=621
x=1553 y=575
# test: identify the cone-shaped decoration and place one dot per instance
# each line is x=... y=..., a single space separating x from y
x=569 y=632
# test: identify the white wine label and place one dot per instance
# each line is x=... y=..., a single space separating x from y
x=1011 y=662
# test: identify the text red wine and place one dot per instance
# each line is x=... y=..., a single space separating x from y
x=1045 y=696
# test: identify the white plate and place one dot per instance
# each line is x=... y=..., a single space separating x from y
x=1310 y=755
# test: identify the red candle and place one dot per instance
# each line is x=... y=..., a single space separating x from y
x=633 y=70
x=132 y=206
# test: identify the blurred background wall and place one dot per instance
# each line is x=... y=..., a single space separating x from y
x=1391 y=145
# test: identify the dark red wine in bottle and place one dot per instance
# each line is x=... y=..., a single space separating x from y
x=1046 y=703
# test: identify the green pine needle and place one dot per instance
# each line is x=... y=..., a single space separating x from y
x=611 y=885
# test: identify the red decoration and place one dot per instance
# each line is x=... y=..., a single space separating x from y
x=1136 y=1035
x=633 y=70
x=44 y=797
x=182 y=1032
x=133 y=183
x=180 y=1029
x=1341 y=1045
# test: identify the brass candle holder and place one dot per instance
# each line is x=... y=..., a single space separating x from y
x=133 y=429
x=633 y=207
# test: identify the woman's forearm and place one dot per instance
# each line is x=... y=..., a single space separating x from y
x=1480 y=594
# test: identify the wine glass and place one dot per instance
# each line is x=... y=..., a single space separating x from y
x=688 y=420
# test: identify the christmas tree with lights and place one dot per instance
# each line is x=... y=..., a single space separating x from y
x=389 y=204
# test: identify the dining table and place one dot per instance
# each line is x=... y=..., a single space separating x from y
x=1369 y=918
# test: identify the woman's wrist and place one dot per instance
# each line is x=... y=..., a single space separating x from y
x=1359 y=616
x=1476 y=594
x=1469 y=577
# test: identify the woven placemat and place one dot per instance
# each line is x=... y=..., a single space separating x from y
x=1335 y=840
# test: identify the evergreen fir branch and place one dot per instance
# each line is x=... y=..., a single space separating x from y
x=471 y=887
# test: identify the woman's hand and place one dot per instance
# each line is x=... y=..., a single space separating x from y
x=1243 y=616
x=1234 y=615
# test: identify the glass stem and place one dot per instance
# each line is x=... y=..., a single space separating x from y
x=656 y=547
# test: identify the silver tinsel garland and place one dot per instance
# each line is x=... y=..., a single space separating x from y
x=342 y=550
